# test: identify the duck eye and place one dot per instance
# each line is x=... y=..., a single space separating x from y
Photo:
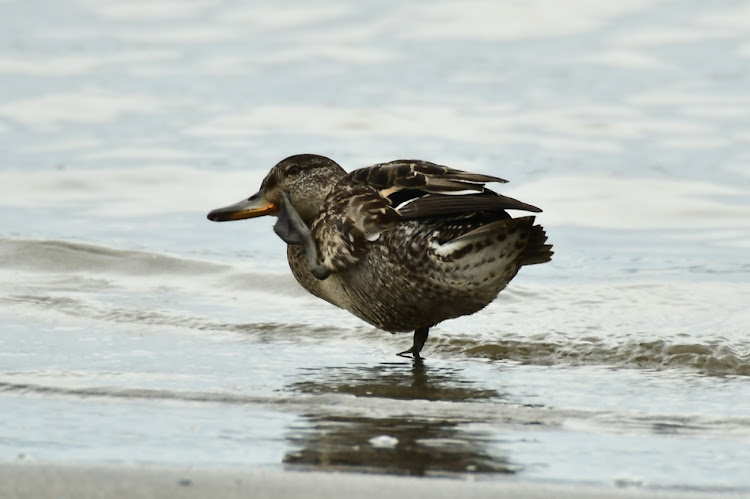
x=293 y=170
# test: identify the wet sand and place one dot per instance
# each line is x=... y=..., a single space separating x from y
x=50 y=480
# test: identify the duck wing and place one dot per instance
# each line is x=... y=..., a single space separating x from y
x=418 y=189
x=369 y=201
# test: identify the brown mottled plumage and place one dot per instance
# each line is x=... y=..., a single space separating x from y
x=402 y=245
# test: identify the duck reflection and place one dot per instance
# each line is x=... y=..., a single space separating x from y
x=393 y=380
x=396 y=443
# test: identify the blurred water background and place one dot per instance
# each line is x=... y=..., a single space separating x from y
x=135 y=331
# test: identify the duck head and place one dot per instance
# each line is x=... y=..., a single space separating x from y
x=305 y=178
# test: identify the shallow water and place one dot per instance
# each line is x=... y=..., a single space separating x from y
x=135 y=331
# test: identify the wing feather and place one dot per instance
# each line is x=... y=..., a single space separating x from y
x=369 y=201
x=431 y=205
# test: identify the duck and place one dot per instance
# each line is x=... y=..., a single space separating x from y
x=403 y=245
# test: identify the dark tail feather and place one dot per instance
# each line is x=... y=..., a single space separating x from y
x=537 y=251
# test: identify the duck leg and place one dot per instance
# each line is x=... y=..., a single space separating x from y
x=292 y=230
x=420 y=336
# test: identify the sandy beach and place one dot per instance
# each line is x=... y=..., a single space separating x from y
x=21 y=481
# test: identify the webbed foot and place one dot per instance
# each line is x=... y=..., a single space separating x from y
x=289 y=226
x=420 y=337
x=292 y=230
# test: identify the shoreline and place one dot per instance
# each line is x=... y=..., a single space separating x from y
x=38 y=480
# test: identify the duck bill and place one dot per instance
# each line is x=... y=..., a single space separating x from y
x=255 y=206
